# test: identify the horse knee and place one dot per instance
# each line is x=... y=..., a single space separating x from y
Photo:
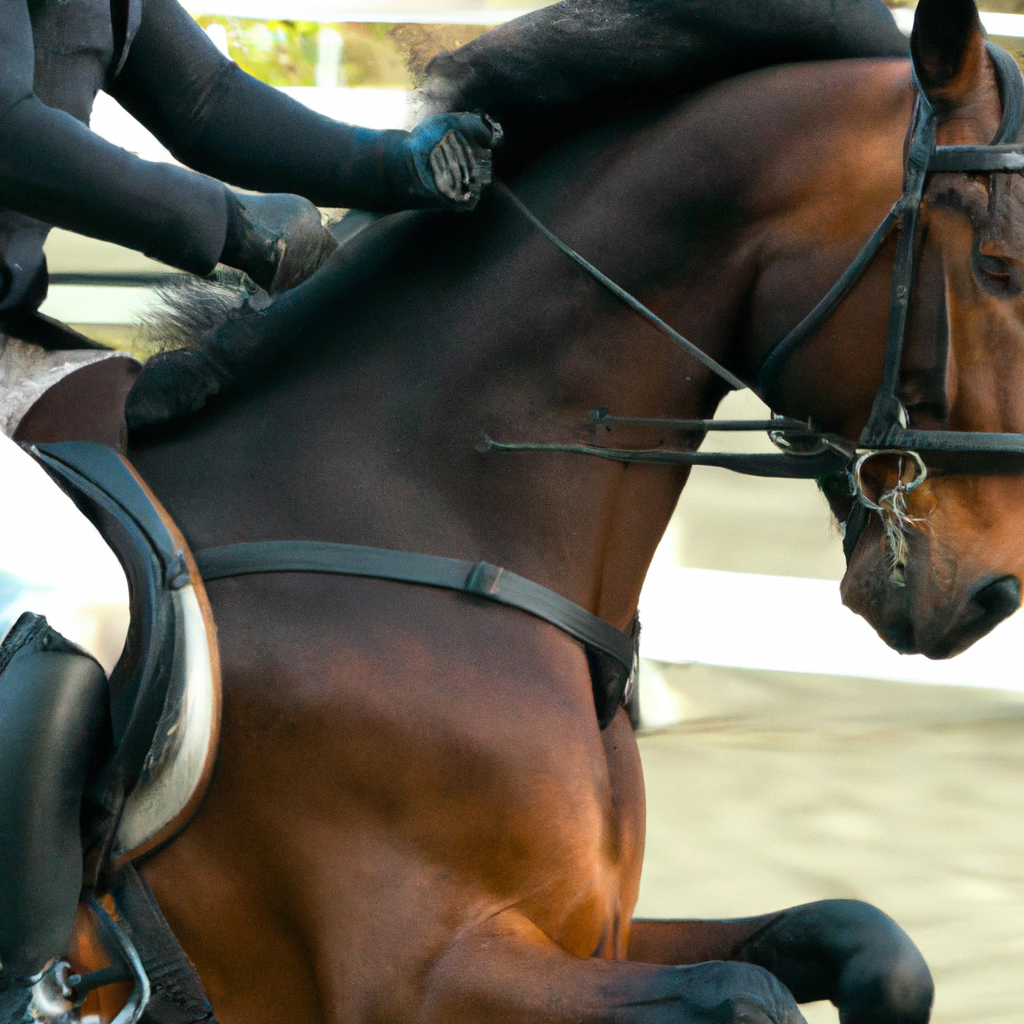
x=725 y=992
x=885 y=979
x=510 y=973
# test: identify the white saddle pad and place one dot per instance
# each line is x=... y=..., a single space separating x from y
x=26 y=371
x=53 y=562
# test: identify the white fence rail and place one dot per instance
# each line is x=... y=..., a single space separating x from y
x=330 y=11
x=432 y=13
x=996 y=24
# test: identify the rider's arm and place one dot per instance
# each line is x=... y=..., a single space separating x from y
x=54 y=169
x=214 y=117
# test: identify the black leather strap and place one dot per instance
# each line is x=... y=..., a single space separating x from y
x=953 y=159
x=638 y=307
x=176 y=995
x=784 y=349
x=480 y=579
x=789 y=467
x=1011 y=94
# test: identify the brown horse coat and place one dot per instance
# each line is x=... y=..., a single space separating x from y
x=415 y=816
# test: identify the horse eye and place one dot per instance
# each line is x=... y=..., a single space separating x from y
x=996 y=275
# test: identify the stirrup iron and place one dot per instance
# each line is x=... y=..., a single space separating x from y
x=58 y=995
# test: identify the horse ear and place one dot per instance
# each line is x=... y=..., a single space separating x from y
x=948 y=50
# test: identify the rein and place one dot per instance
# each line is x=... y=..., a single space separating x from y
x=806 y=452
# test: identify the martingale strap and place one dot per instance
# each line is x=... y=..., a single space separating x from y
x=479 y=579
x=618 y=291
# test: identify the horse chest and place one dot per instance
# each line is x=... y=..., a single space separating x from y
x=462 y=753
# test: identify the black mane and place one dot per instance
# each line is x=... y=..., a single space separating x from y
x=548 y=73
x=543 y=77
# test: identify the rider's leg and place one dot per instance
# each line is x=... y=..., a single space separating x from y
x=53 y=705
x=508 y=972
x=54 y=562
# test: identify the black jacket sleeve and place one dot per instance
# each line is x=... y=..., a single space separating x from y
x=54 y=169
x=214 y=117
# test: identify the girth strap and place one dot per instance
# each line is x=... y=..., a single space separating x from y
x=480 y=579
x=176 y=995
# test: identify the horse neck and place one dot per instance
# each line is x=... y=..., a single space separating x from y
x=372 y=435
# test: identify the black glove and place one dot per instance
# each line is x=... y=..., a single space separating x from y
x=279 y=240
x=451 y=158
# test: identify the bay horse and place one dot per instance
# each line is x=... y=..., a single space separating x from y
x=415 y=815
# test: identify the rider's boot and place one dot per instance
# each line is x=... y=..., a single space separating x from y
x=53 y=710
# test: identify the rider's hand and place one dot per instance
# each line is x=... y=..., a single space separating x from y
x=278 y=240
x=451 y=158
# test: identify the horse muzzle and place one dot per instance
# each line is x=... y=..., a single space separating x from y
x=936 y=611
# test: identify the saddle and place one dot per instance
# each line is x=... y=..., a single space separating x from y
x=144 y=742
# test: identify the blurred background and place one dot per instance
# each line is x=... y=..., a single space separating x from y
x=790 y=755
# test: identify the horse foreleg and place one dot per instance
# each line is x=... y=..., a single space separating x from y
x=509 y=971
x=842 y=950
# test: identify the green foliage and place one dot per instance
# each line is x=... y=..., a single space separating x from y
x=380 y=55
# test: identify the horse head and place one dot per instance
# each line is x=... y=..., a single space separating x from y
x=940 y=571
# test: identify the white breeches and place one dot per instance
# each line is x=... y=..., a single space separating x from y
x=26 y=371
x=54 y=563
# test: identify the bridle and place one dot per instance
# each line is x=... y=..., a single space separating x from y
x=804 y=452
x=808 y=453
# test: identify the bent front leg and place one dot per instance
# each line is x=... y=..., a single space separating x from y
x=841 y=950
x=509 y=972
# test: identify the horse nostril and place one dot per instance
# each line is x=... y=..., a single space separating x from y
x=999 y=598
